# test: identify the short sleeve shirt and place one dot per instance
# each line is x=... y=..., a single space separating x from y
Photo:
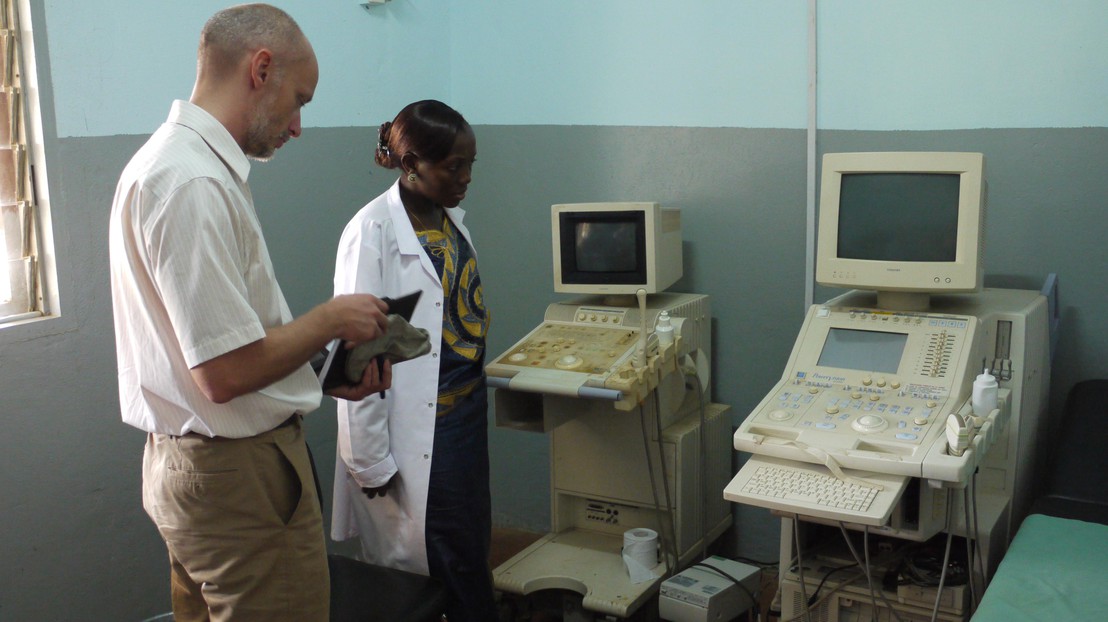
x=191 y=280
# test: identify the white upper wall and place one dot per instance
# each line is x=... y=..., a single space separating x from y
x=883 y=64
x=117 y=64
x=955 y=64
x=696 y=63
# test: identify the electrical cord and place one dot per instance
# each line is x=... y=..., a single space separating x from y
x=980 y=559
x=793 y=563
x=819 y=588
x=942 y=575
x=851 y=580
x=923 y=569
x=869 y=578
x=815 y=600
x=866 y=569
x=892 y=559
x=800 y=566
x=665 y=476
x=654 y=487
x=755 y=562
x=703 y=463
x=969 y=544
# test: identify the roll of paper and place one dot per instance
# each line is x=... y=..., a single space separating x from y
x=640 y=553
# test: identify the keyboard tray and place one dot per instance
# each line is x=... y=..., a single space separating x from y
x=743 y=489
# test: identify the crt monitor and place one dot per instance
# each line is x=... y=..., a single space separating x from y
x=905 y=224
x=615 y=249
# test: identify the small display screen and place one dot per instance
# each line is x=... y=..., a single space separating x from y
x=899 y=216
x=605 y=246
x=864 y=350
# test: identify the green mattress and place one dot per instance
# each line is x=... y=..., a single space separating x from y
x=1055 y=570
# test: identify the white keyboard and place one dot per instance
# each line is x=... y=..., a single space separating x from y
x=812 y=490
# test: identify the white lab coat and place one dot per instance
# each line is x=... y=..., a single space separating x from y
x=380 y=254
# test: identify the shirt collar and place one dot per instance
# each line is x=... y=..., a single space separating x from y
x=213 y=132
x=456 y=214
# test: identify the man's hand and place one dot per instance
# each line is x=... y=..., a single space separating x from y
x=374 y=380
x=358 y=317
x=380 y=490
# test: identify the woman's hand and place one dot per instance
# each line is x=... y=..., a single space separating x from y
x=375 y=379
x=379 y=490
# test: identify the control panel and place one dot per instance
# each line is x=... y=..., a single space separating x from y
x=585 y=348
x=870 y=387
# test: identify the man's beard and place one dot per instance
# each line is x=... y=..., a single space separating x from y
x=259 y=143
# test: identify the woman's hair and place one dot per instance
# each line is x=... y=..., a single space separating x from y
x=425 y=128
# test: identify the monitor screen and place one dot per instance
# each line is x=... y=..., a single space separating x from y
x=903 y=224
x=875 y=207
x=864 y=350
x=615 y=248
x=606 y=246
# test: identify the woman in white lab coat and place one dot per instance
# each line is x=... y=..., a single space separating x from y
x=412 y=474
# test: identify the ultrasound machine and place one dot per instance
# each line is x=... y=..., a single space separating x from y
x=618 y=379
x=876 y=429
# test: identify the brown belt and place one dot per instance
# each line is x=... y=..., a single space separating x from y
x=293 y=419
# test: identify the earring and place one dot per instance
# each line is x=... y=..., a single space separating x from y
x=411 y=177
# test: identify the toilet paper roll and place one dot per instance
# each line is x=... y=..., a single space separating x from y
x=640 y=553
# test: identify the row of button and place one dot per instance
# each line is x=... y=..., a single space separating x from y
x=603 y=318
x=905 y=435
x=895 y=319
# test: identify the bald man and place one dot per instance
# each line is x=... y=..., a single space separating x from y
x=211 y=364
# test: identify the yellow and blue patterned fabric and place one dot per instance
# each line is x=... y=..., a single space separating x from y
x=459 y=506
x=464 y=320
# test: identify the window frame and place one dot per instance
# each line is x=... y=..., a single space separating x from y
x=34 y=292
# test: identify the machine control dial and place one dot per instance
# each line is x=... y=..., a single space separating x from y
x=869 y=423
x=568 y=361
x=780 y=415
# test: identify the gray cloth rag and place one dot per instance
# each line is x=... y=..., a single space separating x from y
x=401 y=342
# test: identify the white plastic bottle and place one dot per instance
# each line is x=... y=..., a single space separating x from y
x=664 y=330
x=984 y=394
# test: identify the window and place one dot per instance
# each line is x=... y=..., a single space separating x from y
x=20 y=295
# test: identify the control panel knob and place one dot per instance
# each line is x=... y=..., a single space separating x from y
x=780 y=414
x=568 y=361
x=869 y=423
x=517 y=357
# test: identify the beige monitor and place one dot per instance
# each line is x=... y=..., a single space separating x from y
x=904 y=224
x=615 y=249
